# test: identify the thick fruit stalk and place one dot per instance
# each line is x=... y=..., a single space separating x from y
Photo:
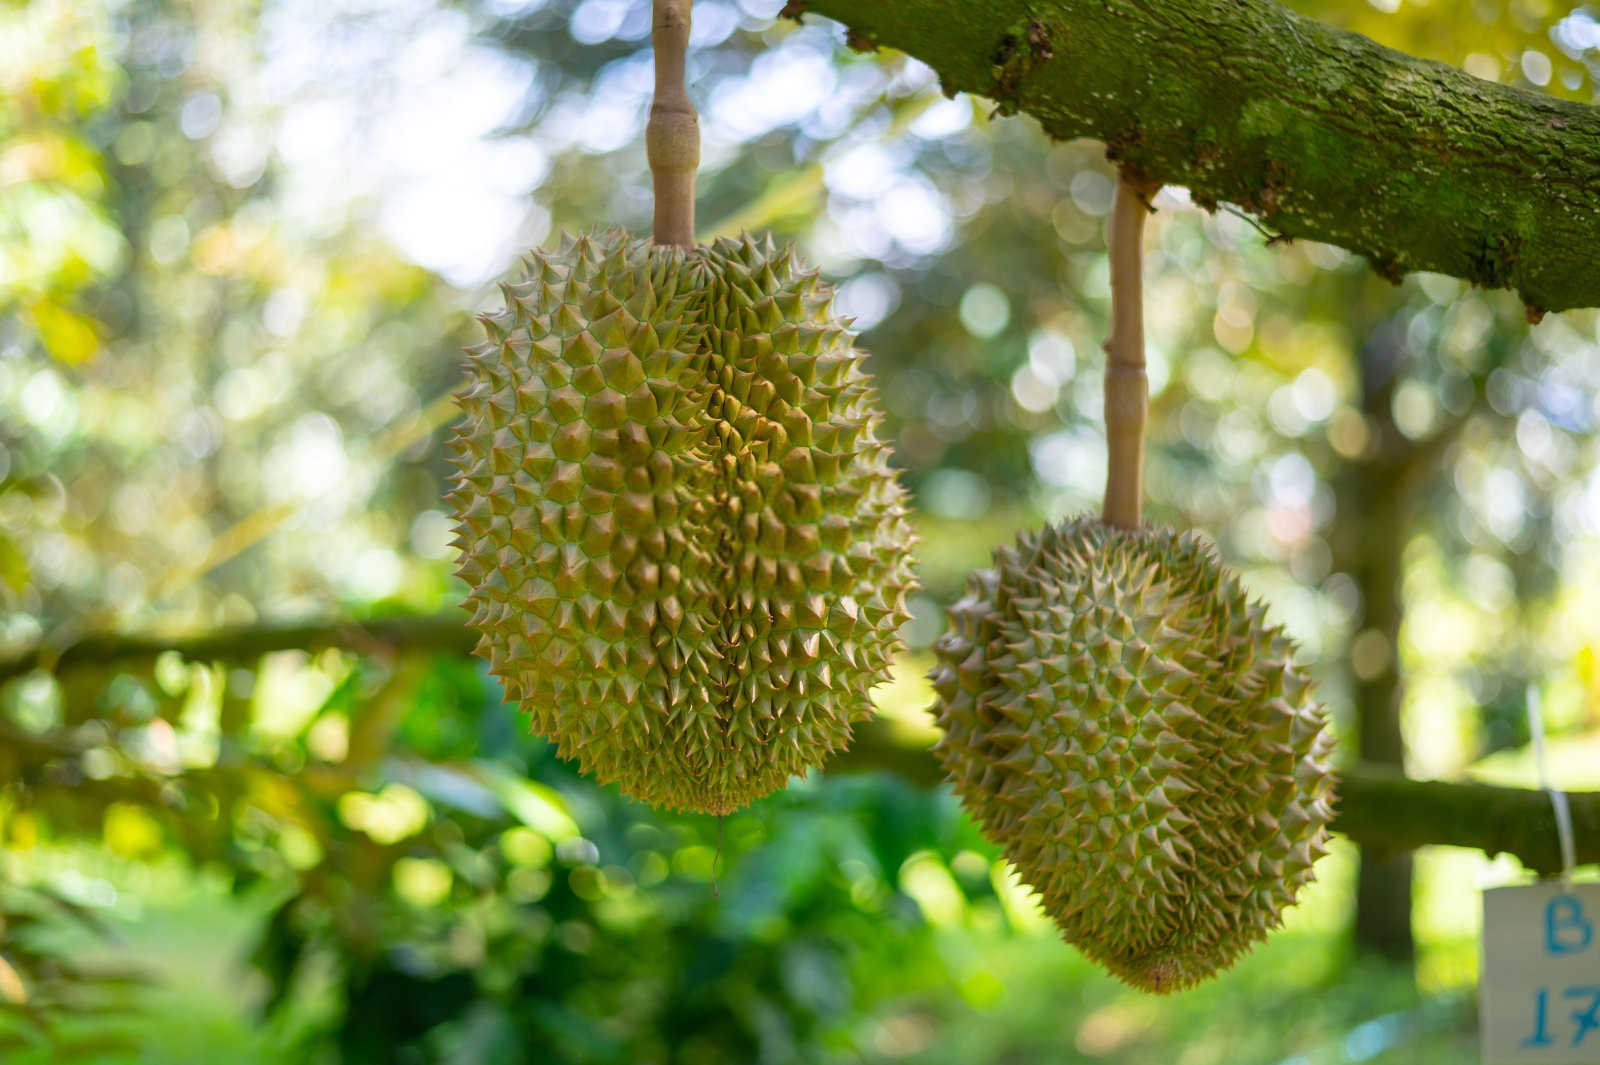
x=1126 y=388
x=672 y=136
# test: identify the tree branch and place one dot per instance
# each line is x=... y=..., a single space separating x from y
x=1377 y=807
x=1318 y=132
x=440 y=632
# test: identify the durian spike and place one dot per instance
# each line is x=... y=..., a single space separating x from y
x=672 y=136
x=1126 y=391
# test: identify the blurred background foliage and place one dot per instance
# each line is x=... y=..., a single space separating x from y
x=239 y=245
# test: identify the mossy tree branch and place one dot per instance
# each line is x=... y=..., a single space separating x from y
x=244 y=643
x=1318 y=132
x=1378 y=808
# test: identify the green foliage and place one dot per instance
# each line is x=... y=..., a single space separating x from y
x=43 y=980
x=429 y=899
x=57 y=236
x=1535 y=43
x=479 y=899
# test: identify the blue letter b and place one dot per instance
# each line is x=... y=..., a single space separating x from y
x=1566 y=931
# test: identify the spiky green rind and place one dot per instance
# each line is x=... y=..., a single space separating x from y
x=1124 y=724
x=686 y=551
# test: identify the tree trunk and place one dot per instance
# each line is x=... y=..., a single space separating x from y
x=1318 y=132
x=1383 y=888
x=1374 y=499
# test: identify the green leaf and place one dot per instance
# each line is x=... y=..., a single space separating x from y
x=539 y=807
x=14 y=571
x=68 y=336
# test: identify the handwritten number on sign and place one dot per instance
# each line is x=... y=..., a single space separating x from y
x=1540 y=1037
x=1584 y=1020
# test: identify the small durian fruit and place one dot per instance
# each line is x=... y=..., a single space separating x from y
x=1143 y=747
x=687 y=554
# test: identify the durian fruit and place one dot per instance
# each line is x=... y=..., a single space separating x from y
x=1143 y=747
x=1123 y=722
x=687 y=553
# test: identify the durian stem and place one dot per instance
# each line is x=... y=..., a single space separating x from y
x=672 y=136
x=1126 y=393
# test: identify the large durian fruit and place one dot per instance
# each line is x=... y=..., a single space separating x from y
x=687 y=553
x=1142 y=745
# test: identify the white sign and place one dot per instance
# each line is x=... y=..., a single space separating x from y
x=1540 y=998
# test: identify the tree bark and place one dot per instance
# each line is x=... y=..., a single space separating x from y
x=1372 y=500
x=1383 y=885
x=1377 y=806
x=442 y=632
x=1318 y=132
x=1373 y=519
